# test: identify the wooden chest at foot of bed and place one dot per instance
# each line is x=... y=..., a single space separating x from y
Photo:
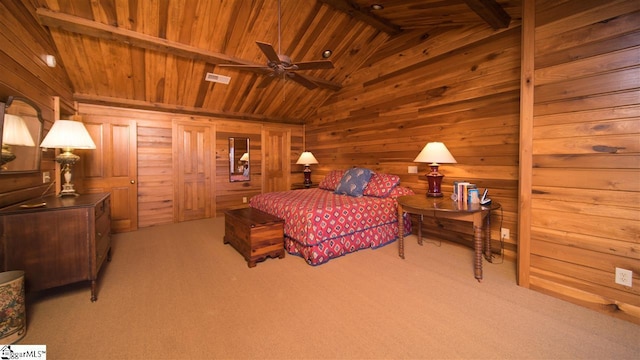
x=255 y=234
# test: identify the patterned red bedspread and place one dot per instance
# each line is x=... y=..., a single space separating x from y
x=320 y=224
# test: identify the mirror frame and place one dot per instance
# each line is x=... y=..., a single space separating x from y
x=38 y=133
x=239 y=170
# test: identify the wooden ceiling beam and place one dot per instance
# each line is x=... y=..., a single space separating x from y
x=491 y=12
x=363 y=14
x=95 y=29
x=178 y=109
x=98 y=30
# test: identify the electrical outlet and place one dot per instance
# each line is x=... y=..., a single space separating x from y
x=244 y=199
x=504 y=233
x=413 y=169
x=46 y=177
x=624 y=277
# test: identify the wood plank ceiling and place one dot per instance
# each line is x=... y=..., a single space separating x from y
x=155 y=54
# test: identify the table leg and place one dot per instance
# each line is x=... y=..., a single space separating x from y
x=94 y=296
x=400 y=232
x=487 y=236
x=477 y=245
x=420 y=218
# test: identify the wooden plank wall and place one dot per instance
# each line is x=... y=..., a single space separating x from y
x=155 y=159
x=229 y=195
x=155 y=173
x=461 y=88
x=586 y=153
x=25 y=74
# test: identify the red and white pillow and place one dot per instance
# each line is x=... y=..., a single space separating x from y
x=400 y=191
x=331 y=181
x=381 y=185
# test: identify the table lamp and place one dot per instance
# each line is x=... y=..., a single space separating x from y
x=14 y=132
x=306 y=159
x=244 y=159
x=68 y=135
x=435 y=153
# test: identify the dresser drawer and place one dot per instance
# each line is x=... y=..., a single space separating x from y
x=102 y=251
x=102 y=207
x=103 y=236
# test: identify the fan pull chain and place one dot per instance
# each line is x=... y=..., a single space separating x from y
x=284 y=89
x=279 y=30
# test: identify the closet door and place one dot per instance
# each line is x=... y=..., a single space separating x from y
x=112 y=167
x=193 y=146
x=276 y=160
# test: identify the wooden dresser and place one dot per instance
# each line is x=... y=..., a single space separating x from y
x=63 y=242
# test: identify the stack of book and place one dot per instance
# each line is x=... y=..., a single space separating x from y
x=461 y=191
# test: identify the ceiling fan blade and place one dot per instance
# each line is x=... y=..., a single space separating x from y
x=322 y=83
x=269 y=51
x=245 y=66
x=311 y=65
x=302 y=80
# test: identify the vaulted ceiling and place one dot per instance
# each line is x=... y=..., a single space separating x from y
x=156 y=54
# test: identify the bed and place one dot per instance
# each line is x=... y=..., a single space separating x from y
x=334 y=220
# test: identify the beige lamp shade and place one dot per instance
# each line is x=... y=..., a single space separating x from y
x=435 y=153
x=16 y=132
x=68 y=134
x=306 y=158
x=244 y=157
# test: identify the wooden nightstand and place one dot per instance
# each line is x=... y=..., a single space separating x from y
x=299 y=186
x=478 y=215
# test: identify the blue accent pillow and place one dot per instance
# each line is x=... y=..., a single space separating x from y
x=353 y=182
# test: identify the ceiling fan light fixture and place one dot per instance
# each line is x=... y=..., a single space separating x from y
x=327 y=53
x=50 y=60
x=377 y=7
x=281 y=66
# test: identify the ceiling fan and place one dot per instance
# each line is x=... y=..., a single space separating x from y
x=282 y=67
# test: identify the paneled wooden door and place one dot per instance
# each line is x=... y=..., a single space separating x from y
x=276 y=172
x=193 y=186
x=112 y=167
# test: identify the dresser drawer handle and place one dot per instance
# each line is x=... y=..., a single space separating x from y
x=99 y=234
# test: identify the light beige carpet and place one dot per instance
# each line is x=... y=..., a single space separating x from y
x=176 y=292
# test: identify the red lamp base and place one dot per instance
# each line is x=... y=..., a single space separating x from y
x=307 y=176
x=434 y=178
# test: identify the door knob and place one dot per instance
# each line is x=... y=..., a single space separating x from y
x=132 y=181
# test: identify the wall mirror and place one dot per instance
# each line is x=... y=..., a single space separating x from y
x=21 y=132
x=239 y=168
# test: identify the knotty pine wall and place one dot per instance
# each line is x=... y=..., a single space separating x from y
x=585 y=195
x=461 y=88
x=24 y=73
x=155 y=159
